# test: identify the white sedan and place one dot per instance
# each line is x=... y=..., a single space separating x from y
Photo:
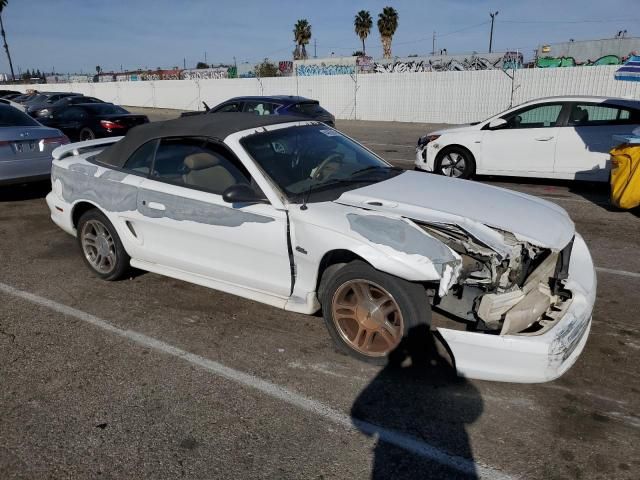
x=296 y=215
x=556 y=137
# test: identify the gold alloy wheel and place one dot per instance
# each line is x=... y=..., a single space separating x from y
x=367 y=317
x=98 y=246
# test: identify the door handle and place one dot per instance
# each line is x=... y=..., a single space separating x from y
x=543 y=139
x=157 y=206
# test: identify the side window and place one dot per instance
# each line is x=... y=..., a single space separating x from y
x=199 y=164
x=260 y=108
x=538 y=116
x=141 y=160
x=74 y=114
x=229 y=107
x=585 y=114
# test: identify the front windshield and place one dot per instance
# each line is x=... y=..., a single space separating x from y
x=312 y=158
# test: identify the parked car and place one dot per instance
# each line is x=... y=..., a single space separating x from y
x=4 y=93
x=17 y=105
x=272 y=105
x=93 y=120
x=25 y=147
x=296 y=215
x=46 y=99
x=63 y=102
x=556 y=137
x=11 y=96
x=25 y=97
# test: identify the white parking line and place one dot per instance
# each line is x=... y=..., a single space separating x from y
x=398 y=439
x=624 y=273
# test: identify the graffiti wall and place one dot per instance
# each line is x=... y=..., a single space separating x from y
x=555 y=62
x=209 y=73
x=325 y=66
x=285 y=68
x=442 y=63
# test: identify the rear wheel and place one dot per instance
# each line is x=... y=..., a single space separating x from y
x=101 y=247
x=87 y=134
x=456 y=162
x=368 y=312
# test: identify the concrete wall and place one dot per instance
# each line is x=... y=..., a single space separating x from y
x=438 y=97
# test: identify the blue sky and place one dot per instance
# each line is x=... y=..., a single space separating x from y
x=75 y=35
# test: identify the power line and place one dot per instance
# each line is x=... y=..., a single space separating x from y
x=572 y=21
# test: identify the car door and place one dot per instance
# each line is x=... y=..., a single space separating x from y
x=526 y=144
x=586 y=139
x=187 y=226
x=70 y=120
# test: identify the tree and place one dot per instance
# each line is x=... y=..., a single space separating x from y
x=387 y=26
x=266 y=69
x=3 y=3
x=301 y=35
x=201 y=65
x=362 y=24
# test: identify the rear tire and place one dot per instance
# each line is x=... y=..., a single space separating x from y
x=369 y=313
x=86 y=134
x=455 y=162
x=101 y=247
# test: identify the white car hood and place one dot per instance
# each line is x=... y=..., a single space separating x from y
x=458 y=129
x=433 y=198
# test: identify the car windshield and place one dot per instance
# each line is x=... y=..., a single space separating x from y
x=314 y=158
x=106 y=109
x=12 y=117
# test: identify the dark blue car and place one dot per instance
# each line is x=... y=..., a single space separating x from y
x=273 y=105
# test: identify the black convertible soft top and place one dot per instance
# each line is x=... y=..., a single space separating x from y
x=217 y=126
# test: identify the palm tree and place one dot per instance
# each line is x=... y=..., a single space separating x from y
x=3 y=3
x=302 y=35
x=362 y=24
x=387 y=26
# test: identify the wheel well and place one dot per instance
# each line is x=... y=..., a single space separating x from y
x=332 y=261
x=79 y=209
x=452 y=146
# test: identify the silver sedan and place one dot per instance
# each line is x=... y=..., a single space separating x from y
x=25 y=147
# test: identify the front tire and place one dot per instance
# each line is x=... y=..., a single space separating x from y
x=455 y=162
x=101 y=247
x=368 y=313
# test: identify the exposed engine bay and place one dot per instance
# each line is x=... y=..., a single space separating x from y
x=517 y=293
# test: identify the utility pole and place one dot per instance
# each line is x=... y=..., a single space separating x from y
x=433 y=44
x=493 y=16
x=315 y=51
x=184 y=63
x=205 y=56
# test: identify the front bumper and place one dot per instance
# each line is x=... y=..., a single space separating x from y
x=424 y=158
x=530 y=358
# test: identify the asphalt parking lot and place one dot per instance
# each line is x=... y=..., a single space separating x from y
x=156 y=378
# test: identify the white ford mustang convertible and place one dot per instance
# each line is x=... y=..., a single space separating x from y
x=296 y=215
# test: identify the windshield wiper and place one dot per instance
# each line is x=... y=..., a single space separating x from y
x=374 y=167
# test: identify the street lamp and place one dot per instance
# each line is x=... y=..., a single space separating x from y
x=493 y=16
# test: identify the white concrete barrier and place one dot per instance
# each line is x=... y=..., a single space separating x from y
x=432 y=97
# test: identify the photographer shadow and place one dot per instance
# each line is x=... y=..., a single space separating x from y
x=418 y=408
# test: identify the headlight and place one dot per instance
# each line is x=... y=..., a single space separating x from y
x=43 y=113
x=426 y=139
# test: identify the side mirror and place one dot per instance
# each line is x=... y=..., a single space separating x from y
x=497 y=123
x=242 y=193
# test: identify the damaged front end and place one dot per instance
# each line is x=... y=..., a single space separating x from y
x=516 y=289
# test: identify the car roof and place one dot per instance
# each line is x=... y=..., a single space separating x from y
x=584 y=98
x=217 y=126
x=287 y=99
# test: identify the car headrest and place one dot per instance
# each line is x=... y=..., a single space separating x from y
x=200 y=161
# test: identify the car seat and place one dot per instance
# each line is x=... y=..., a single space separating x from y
x=211 y=171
